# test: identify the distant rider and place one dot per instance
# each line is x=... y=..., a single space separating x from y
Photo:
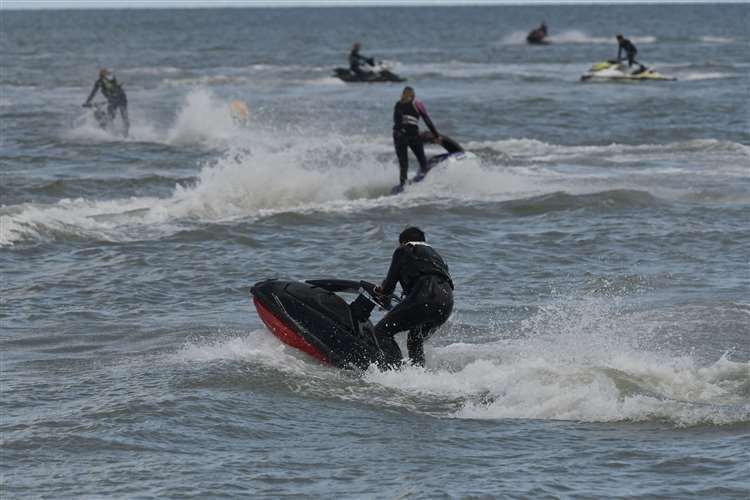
x=427 y=284
x=630 y=51
x=355 y=60
x=406 y=114
x=116 y=98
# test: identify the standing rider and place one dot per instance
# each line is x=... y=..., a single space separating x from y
x=116 y=98
x=355 y=60
x=406 y=114
x=630 y=51
x=427 y=283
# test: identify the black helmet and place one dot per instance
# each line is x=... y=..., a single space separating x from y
x=411 y=233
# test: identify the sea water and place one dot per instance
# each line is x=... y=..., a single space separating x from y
x=599 y=243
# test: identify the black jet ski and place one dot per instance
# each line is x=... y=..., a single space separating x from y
x=432 y=162
x=311 y=316
x=99 y=112
x=537 y=36
x=375 y=74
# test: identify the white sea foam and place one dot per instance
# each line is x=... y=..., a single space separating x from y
x=573 y=37
x=578 y=361
x=705 y=76
x=202 y=119
x=265 y=173
x=582 y=359
x=717 y=39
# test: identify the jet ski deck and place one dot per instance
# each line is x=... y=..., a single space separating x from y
x=312 y=317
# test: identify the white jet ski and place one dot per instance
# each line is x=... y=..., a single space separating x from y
x=617 y=71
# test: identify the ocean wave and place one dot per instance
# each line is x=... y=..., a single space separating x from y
x=264 y=174
x=543 y=151
x=716 y=39
x=574 y=37
x=580 y=358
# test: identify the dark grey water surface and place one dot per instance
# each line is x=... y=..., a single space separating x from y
x=599 y=243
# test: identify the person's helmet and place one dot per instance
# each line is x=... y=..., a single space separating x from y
x=104 y=73
x=411 y=233
x=619 y=37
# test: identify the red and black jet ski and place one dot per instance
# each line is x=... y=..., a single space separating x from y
x=312 y=317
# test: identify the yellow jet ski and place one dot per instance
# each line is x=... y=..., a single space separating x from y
x=616 y=70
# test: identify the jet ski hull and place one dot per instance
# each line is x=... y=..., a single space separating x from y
x=381 y=76
x=310 y=317
x=432 y=162
x=615 y=71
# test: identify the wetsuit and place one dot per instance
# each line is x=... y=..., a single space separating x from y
x=116 y=99
x=425 y=280
x=630 y=51
x=406 y=133
x=355 y=60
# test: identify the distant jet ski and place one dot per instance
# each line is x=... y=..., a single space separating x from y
x=99 y=112
x=616 y=70
x=538 y=36
x=370 y=74
x=311 y=316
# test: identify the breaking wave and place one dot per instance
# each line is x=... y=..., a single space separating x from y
x=576 y=359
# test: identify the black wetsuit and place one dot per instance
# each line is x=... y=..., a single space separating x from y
x=630 y=51
x=355 y=60
x=428 y=303
x=116 y=99
x=406 y=133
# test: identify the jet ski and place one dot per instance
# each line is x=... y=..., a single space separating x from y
x=432 y=162
x=537 y=37
x=312 y=316
x=616 y=70
x=98 y=110
x=370 y=74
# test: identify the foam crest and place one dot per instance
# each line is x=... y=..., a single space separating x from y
x=579 y=361
x=573 y=37
x=203 y=118
x=257 y=346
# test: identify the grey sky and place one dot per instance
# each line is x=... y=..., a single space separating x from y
x=101 y=4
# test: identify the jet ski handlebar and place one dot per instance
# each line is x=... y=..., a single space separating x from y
x=362 y=287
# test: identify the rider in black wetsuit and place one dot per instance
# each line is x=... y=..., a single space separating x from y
x=630 y=51
x=116 y=98
x=425 y=280
x=355 y=60
x=406 y=115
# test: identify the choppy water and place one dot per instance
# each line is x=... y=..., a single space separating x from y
x=599 y=244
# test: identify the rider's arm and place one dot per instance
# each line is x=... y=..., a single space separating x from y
x=423 y=111
x=389 y=283
x=619 y=52
x=97 y=85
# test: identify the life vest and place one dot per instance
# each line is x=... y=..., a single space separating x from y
x=409 y=116
x=111 y=89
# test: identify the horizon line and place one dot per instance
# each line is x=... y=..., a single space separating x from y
x=32 y=5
